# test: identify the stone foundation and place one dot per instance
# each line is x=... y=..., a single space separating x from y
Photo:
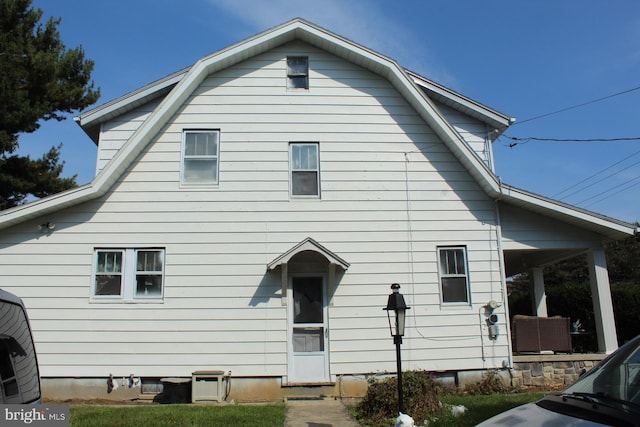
x=538 y=370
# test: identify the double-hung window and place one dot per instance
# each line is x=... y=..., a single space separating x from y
x=454 y=277
x=298 y=72
x=200 y=151
x=128 y=274
x=304 y=164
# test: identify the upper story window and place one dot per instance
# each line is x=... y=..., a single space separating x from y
x=298 y=72
x=128 y=274
x=454 y=277
x=304 y=167
x=200 y=151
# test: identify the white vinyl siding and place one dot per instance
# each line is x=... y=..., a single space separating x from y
x=114 y=134
x=473 y=132
x=220 y=309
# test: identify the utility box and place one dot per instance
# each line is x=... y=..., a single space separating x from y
x=207 y=386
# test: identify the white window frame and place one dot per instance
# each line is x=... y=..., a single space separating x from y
x=128 y=275
x=213 y=158
x=444 y=273
x=293 y=171
x=297 y=74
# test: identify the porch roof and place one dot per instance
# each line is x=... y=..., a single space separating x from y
x=308 y=244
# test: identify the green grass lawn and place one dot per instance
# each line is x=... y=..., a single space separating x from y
x=271 y=415
x=480 y=408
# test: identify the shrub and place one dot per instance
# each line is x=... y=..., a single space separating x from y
x=490 y=383
x=420 y=396
x=626 y=309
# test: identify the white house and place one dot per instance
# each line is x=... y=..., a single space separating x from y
x=250 y=213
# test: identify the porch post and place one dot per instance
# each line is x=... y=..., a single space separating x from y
x=539 y=295
x=602 y=305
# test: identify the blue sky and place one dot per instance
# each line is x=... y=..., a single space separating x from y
x=523 y=58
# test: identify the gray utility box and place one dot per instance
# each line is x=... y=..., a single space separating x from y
x=207 y=386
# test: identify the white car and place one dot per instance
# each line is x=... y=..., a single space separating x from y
x=608 y=395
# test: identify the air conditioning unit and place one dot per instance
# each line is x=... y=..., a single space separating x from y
x=207 y=386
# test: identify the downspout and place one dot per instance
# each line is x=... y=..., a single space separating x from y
x=503 y=278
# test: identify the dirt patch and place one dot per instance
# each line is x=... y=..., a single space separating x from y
x=549 y=388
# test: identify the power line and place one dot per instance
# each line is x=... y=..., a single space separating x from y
x=576 y=106
x=596 y=174
x=629 y=184
x=599 y=181
x=519 y=141
x=626 y=185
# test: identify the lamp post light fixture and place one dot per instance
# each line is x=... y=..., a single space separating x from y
x=396 y=304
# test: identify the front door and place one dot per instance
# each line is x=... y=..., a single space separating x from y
x=308 y=330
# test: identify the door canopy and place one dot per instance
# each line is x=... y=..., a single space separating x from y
x=308 y=244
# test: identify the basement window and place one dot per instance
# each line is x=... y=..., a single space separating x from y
x=151 y=386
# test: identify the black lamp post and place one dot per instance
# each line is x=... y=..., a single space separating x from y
x=396 y=303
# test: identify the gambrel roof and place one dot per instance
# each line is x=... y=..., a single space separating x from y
x=419 y=92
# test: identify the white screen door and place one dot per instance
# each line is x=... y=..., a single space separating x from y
x=308 y=330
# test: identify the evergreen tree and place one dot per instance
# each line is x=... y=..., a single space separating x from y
x=39 y=80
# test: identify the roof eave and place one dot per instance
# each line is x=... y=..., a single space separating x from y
x=473 y=108
x=90 y=120
x=47 y=205
x=609 y=228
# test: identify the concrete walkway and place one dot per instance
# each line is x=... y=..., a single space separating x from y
x=327 y=412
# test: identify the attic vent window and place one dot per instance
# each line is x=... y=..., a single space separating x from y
x=297 y=72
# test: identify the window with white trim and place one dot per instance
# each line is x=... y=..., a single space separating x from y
x=297 y=72
x=128 y=274
x=200 y=151
x=454 y=278
x=304 y=164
